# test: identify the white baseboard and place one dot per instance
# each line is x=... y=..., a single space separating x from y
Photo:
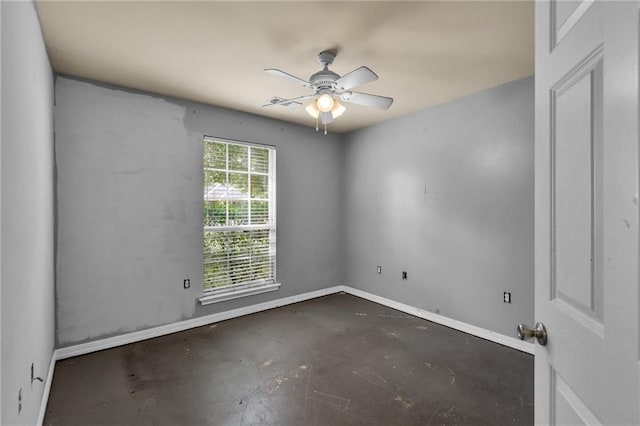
x=136 y=336
x=47 y=389
x=483 y=333
x=124 y=339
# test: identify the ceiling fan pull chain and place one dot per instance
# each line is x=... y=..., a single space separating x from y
x=325 y=128
x=317 y=123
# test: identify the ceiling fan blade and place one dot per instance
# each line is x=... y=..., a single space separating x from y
x=278 y=73
x=365 y=99
x=355 y=78
x=284 y=101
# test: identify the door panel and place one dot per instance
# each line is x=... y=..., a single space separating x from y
x=562 y=11
x=564 y=14
x=576 y=158
x=586 y=219
x=568 y=408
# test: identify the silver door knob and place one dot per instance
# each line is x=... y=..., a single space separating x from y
x=539 y=332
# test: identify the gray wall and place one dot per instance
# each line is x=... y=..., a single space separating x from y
x=446 y=194
x=27 y=212
x=130 y=208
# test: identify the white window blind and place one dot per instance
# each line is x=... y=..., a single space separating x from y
x=239 y=215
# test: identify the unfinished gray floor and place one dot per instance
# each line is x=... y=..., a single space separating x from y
x=335 y=360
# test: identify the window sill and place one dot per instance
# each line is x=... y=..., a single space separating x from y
x=223 y=295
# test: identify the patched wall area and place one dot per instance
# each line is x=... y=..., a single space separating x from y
x=130 y=208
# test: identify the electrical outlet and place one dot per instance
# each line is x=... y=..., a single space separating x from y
x=506 y=297
x=186 y=283
x=404 y=275
x=379 y=269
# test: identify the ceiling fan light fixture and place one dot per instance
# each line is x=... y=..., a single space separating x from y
x=330 y=89
x=338 y=109
x=312 y=109
x=325 y=102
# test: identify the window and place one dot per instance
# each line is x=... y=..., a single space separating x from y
x=239 y=220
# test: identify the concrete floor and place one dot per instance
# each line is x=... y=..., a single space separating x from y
x=335 y=360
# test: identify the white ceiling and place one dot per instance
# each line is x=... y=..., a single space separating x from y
x=425 y=53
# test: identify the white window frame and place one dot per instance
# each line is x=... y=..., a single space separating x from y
x=234 y=291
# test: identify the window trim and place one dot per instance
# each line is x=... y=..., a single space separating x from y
x=221 y=294
x=234 y=291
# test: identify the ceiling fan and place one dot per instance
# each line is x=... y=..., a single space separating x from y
x=329 y=88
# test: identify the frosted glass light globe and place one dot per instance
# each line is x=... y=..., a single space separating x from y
x=325 y=103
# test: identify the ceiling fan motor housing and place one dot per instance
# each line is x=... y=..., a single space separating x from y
x=323 y=79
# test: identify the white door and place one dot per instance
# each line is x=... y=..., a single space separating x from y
x=586 y=218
